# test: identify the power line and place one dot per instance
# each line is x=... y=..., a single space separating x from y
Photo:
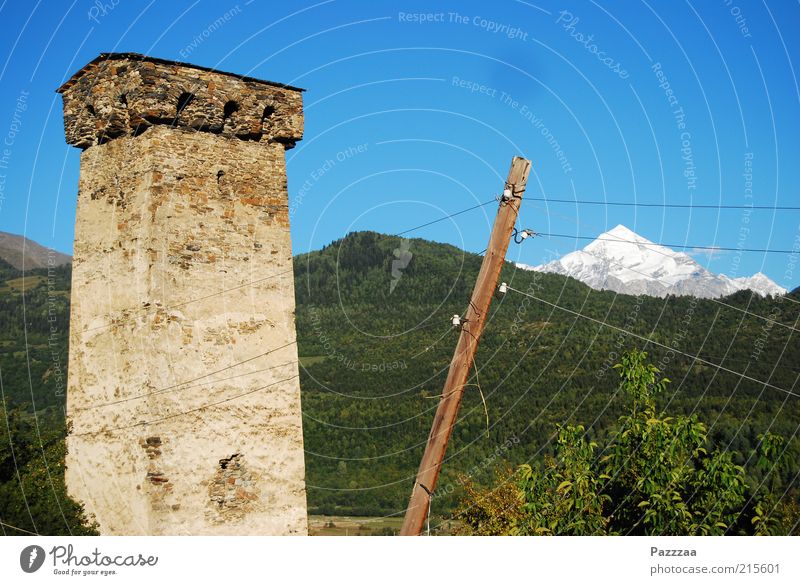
x=657 y=251
x=749 y=362
x=182 y=385
x=261 y=371
x=683 y=246
x=185 y=412
x=181 y=304
x=668 y=285
x=648 y=340
x=717 y=301
x=19 y=529
x=666 y=205
x=446 y=217
x=713 y=300
x=223 y=291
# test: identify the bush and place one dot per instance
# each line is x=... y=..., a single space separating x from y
x=655 y=476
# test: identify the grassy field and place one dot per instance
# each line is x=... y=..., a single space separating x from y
x=310 y=360
x=366 y=526
x=353 y=526
x=18 y=285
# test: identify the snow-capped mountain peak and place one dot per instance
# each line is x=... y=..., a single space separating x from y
x=623 y=233
x=759 y=283
x=623 y=261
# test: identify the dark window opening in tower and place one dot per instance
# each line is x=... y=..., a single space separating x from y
x=231 y=108
x=184 y=100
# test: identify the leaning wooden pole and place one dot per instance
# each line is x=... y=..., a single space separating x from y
x=464 y=355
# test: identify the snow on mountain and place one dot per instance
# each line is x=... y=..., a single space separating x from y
x=759 y=283
x=623 y=261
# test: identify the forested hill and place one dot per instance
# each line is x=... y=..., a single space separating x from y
x=34 y=328
x=375 y=340
x=376 y=357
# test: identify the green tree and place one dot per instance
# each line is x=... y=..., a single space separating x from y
x=662 y=479
x=565 y=496
x=656 y=476
x=771 y=515
x=33 y=497
x=493 y=511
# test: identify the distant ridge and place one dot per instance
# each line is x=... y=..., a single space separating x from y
x=14 y=248
x=611 y=262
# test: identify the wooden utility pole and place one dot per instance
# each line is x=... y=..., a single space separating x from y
x=464 y=356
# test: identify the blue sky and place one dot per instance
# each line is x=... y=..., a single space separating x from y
x=418 y=108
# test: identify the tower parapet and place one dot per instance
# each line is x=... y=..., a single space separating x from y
x=119 y=94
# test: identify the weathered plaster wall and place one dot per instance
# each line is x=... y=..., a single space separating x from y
x=171 y=434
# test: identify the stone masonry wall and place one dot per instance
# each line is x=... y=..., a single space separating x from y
x=182 y=282
x=124 y=94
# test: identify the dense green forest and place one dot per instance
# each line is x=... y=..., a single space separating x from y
x=376 y=360
x=34 y=321
x=375 y=340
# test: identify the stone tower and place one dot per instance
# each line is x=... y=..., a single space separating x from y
x=183 y=389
